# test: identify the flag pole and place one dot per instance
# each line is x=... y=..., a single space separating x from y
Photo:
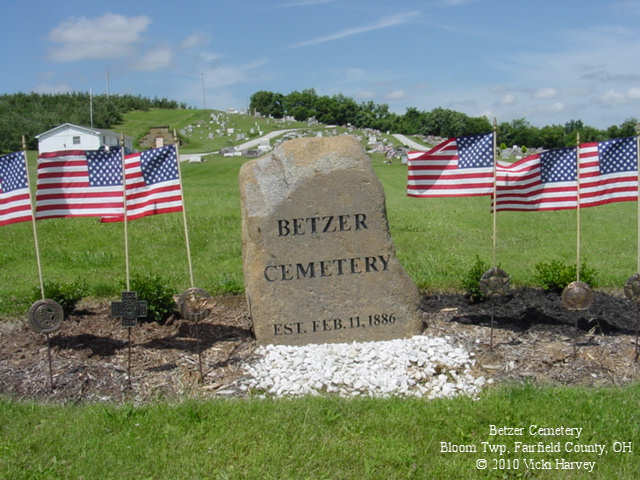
x=124 y=205
x=33 y=219
x=578 y=226
x=126 y=249
x=184 y=210
x=495 y=198
x=638 y=201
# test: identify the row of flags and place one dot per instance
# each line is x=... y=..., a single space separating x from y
x=464 y=166
x=78 y=183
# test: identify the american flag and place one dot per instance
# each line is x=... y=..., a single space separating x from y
x=544 y=181
x=79 y=183
x=461 y=166
x=153 y=184
x=15 y=200
x=608 y=172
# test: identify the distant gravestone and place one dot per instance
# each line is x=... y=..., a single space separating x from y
x=319 y=263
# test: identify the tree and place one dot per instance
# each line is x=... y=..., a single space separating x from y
x=300 y=113
x=267 y=103
x=551 y=136
x=477 y=125
x=573 y=125
x=413 y=121
x=33 y=113
x=628 y=127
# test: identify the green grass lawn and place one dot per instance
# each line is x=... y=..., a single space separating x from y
x=319 y=438
x=436 y=240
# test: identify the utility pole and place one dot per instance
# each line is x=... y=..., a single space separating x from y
x=204 y=101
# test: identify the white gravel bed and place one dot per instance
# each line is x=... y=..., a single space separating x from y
x=421 y=366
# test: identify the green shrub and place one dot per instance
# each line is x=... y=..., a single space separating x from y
x=471 y=280
x=556 y=275
x=66 y=294
x=159 y=296
x=524 y=149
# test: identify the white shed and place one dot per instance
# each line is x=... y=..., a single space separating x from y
x=74 y=137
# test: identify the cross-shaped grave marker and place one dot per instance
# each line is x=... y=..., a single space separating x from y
x=129 y=309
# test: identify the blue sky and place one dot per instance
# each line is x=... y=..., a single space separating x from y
x=548 y=61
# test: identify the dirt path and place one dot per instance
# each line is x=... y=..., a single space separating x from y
x=410 y=143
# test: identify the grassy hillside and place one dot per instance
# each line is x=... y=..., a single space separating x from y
x=197 y=138
x=137 y=123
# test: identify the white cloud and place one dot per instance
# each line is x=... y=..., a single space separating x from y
x=385 y=22
x=395 y=95
x=226 y=75
x=109 y=36
x=155 y=59
x=634 y=93
x=545 y=93
x=195 y=40
x=219 y=83
x=556 y=107
x=590 y=72
x=209 y=57
x=49 y=88
x=613 y=97
x=508 y=99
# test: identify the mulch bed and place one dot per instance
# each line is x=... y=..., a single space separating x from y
x=533 y=340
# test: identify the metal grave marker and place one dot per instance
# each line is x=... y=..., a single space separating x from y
x=45 y=316
x=129 y=309
x=494 y=283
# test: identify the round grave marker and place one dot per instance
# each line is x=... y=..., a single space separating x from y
x=494 y=282
x=194 y=304
x=577 y=296
x=45 y=316
x=632 y=288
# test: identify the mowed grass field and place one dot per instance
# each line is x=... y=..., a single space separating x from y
x=324 y=438
x=436 y=240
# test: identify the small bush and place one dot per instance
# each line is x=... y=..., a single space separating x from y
x=524 y=149
x=105 y=290
x=556 y=275
x=66 y=294
x=471 y=280
x=159 y=296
